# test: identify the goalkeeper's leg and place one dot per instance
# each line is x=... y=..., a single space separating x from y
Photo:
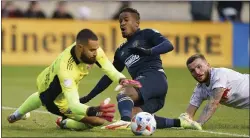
x=31 y=103
x=77 y=122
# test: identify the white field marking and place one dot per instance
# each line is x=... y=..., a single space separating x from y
x=203 y=131
x=36 y=111
x=223 y=133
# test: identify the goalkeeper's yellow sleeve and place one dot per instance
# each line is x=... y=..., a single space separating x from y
x=70 y=91
x=74 y=104
x=108 y=67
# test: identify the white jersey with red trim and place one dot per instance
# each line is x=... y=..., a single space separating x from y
x=236 y=84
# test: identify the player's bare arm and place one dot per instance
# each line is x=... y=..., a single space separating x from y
x=211 y=106
x=191 y=110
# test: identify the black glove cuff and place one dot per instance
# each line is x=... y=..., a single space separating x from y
x=92 y=111
x=85 y=99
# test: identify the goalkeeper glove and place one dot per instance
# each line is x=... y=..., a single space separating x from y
x=127 y=83
x=105 y=111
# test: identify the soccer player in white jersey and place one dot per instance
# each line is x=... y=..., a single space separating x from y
x=218 y=86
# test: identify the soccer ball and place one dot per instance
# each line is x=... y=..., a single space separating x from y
x=143 y=123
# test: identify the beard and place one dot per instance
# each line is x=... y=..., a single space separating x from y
x=87 y=60
x=206 y=78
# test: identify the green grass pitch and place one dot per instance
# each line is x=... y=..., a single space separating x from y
x=19 y=82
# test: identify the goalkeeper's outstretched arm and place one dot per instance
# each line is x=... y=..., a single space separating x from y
x=112 y=73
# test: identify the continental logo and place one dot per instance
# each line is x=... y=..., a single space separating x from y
x=23 y=42
x=70 y=63
x=47 y=40
x=50 y=42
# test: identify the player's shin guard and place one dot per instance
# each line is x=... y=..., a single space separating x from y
x=31 y=103
x=74 y=125
x=166 y=122
x=125 y=105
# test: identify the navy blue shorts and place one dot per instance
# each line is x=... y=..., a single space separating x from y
x=153 y=91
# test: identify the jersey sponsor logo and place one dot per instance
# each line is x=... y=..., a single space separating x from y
x=67 y=82
x=70 y=63
x=131 y=60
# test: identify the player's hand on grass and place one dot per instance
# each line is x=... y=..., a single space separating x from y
x=105 y=111
x=140 y=51
x=189 y=122
x=185 y=115
x=127 y=83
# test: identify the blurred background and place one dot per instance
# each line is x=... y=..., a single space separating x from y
x=35 y=33
x=150 y=10
x=42 y=29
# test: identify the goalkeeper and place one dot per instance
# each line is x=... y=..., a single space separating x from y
x=58 y=85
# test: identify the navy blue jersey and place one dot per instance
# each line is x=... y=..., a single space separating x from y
x=136 y=64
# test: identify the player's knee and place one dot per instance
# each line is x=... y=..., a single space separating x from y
x=122 y=96
x=160 y=106
x=128 y=92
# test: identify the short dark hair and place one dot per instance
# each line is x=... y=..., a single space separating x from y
x=85 y=35
x=131 y=10
x=194 y=57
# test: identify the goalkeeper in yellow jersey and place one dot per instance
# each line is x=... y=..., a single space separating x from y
x=58 y=85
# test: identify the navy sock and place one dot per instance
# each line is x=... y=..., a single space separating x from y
x=125 y=105
x=166 y=122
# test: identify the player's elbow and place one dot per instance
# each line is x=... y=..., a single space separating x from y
x=169 y=45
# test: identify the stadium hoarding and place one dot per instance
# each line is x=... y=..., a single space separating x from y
x=38 y=42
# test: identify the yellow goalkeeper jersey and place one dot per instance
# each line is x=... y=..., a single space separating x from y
x=58 y=83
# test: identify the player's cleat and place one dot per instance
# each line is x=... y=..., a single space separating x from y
x=11 y=118
x=59 y=123
x=118 y=125
x=187 y=123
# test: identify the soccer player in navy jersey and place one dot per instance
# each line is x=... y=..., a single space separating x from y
x=140 y=54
